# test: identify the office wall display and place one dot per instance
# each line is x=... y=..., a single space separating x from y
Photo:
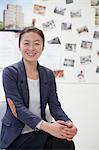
x=96 y=35
x=56 y=40
x=70 y=47
x=71 y=36
x=86 y=45
x=39 y=9
x=82 y=29
x=59 y=10
x=75 y=13
x=69 y=1
x=66 y=26
x=94 y=2
x=97 y=16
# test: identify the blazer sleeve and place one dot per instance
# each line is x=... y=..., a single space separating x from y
x=54 y=104
x=10 y=84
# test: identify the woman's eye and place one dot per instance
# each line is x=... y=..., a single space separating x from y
x=26 y=43
x=37 y=43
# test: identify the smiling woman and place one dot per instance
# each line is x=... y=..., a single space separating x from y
x=31 y=45
x=29 y=88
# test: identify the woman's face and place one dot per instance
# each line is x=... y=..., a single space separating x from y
x=31 y=46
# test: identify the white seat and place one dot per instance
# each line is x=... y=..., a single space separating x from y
x=2 y=111
x=48 y=114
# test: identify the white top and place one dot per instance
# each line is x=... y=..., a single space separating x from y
x=34 y=101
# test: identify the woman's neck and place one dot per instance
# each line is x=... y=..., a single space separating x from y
x=31 y=70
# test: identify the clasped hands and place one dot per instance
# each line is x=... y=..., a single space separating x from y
x=62 y=129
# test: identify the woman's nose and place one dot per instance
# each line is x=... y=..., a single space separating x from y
x=31 y=47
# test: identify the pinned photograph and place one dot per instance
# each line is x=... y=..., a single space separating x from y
x=84 y=60
x=94 y=2
x=97 y=69
x=12 y=18
x=82 y=29
x=54 y=41
x=70 y=47
x=59 y=73
x=69 y=62
x=39 y=9
x=69 y=1
x=81 y=75
x=33 y=22
x=98 y=53
x=86 y=45
x=66 y=26
x=96 y=35
x=75 y=13
x=96 y=16
x=59 y=10
x=48 y=25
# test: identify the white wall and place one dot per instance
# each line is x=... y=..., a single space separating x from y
x=81 y=102
x=98 y=116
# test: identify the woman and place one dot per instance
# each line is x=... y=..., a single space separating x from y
x=28 y=88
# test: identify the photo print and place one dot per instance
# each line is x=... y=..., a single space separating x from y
x=12 y=20
x=82 y=29
x=54 y=41
x=66 y=26
x=59 y=10
x=48 y=25
x=84 y=60
x=96 y=16
x=39 y=9
x=97 y=69
x=86 y=45
x=94 y=2
x=59 y=73
x=81 y=75
x=69 y=62
x=98 y=53
x=75 y=13
x=70 y=47
x=96 y=35
x=69 y=1
x=33 y=22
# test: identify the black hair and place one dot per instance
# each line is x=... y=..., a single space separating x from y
x=31 y=29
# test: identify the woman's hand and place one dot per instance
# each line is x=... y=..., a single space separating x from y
x=70 y=129
x=60 y=129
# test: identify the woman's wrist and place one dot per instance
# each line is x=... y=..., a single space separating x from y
x=45 y=126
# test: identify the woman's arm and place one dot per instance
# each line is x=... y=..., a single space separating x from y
x=15 y=100
x=53 y=102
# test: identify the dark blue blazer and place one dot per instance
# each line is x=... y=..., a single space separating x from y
x=16 y=88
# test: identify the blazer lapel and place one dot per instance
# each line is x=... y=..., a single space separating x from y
x=24 y=84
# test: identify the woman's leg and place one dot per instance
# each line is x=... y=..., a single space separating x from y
x=29 y=141
x=60 y=144
x=40 y=140
x=53 y=143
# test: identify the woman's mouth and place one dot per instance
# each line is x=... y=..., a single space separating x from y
x=31 y=54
